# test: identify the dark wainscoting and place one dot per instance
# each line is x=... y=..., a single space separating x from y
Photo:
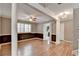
x=22 y=36
x=5 y=38
x=0 y=39
x=54 y=38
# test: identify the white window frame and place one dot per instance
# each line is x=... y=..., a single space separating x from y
x=21 y=27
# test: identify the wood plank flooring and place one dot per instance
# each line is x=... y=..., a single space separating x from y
x=37 y=47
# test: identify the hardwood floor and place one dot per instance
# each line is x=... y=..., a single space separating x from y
x=36 y=47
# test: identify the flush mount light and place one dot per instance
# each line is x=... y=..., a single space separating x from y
x=67 y=12
x=64 y=13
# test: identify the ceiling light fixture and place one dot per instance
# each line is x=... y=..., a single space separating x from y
x=61 y=14
x=67 y=12
x=30 y=20
x=64 y=13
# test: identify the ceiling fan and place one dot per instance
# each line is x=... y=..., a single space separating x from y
x=32 y=18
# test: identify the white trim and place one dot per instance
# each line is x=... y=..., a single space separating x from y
x=76 y=52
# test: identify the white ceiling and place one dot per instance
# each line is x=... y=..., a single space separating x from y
x=57 y=9
x=5 y=9
x=24 y=11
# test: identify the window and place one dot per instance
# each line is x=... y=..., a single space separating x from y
x=21 y=27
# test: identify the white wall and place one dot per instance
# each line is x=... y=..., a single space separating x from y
x=62 y=31
x=0 y=26
x=5 y=26
x=76 y=27
x=34 y=27
x=68 y=30
x=54 y=28
x=40 y=28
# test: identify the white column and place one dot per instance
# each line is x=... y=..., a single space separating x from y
x=62 y=31
x=13 y=30
x=58 y=31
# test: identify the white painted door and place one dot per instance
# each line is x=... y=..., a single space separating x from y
x=47 y=32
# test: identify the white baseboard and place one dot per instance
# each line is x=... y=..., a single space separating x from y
x=76 y=52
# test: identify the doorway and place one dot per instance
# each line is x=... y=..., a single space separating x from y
x=47 y=32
